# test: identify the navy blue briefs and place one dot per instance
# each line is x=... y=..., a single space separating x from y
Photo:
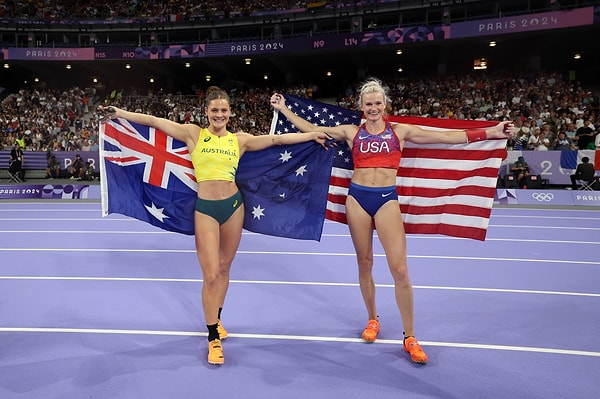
x=372 y=198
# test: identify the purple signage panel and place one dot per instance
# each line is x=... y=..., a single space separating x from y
x=544 y=197
x=150 y=53
x=547 y=197
x=372 y=38
x=411 y=34
x=51 y=54
x=45 y=191
x=399 y=35
x=65 y=158
x=277 y=12
x=260 y=46
x=586 y=198
x=523 y=23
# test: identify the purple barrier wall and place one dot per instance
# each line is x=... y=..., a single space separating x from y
x=37 y=160
x=547 y=164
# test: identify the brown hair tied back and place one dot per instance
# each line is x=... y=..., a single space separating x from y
x=216 y=93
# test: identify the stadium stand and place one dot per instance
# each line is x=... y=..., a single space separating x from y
x=532 y=79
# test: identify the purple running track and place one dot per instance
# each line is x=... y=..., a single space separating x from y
x=110 y=308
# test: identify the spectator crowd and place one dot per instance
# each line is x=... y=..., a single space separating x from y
x=178 y=10
x=550 y=112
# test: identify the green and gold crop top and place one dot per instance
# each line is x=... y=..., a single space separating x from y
x=216 y=157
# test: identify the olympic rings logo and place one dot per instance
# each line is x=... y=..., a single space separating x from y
x=543 y=197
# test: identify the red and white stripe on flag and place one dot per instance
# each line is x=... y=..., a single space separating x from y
x=442 y=189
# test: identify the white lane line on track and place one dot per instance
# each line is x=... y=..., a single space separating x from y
x=31 y=210
x=512 y=240
x=544 y=217
x=249 y=233
x=296 y=253
x=67 y=219
x=90 y=232
x=521 y=227
x=104 y=221
x=118 y=217
x=298 y=338
x=504 y=212
x=312 y=283
x=415 y=237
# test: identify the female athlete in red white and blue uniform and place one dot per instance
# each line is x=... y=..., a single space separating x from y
x=376 y=150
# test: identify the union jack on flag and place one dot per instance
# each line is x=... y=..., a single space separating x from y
x=147 y=175
x=442 y=189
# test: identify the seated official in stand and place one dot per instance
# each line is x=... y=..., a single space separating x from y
x=88 y=172
x=76 y=168
x=584 y=172
x=520 y=170
x=53 y=168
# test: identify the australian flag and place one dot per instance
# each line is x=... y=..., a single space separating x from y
x=149 y=176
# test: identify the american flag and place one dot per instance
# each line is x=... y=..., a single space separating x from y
x=442 y=189
x=149 y=176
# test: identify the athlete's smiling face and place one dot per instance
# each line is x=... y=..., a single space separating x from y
x=218 y=112
x=373 y=105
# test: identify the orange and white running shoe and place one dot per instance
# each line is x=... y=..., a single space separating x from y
x=215 y=352
x=417 y=354
x=371 y=330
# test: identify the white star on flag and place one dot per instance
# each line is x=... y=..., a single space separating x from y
x=257 y=212
x=300 y=171
x=156 y=212
x=285 y=156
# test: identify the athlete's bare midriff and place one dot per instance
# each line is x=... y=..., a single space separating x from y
x=216 y=189
x=374 y=177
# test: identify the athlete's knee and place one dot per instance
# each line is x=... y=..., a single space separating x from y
x=365 y=264
x=225 y=267
x=400 y=274
x=211 y=278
